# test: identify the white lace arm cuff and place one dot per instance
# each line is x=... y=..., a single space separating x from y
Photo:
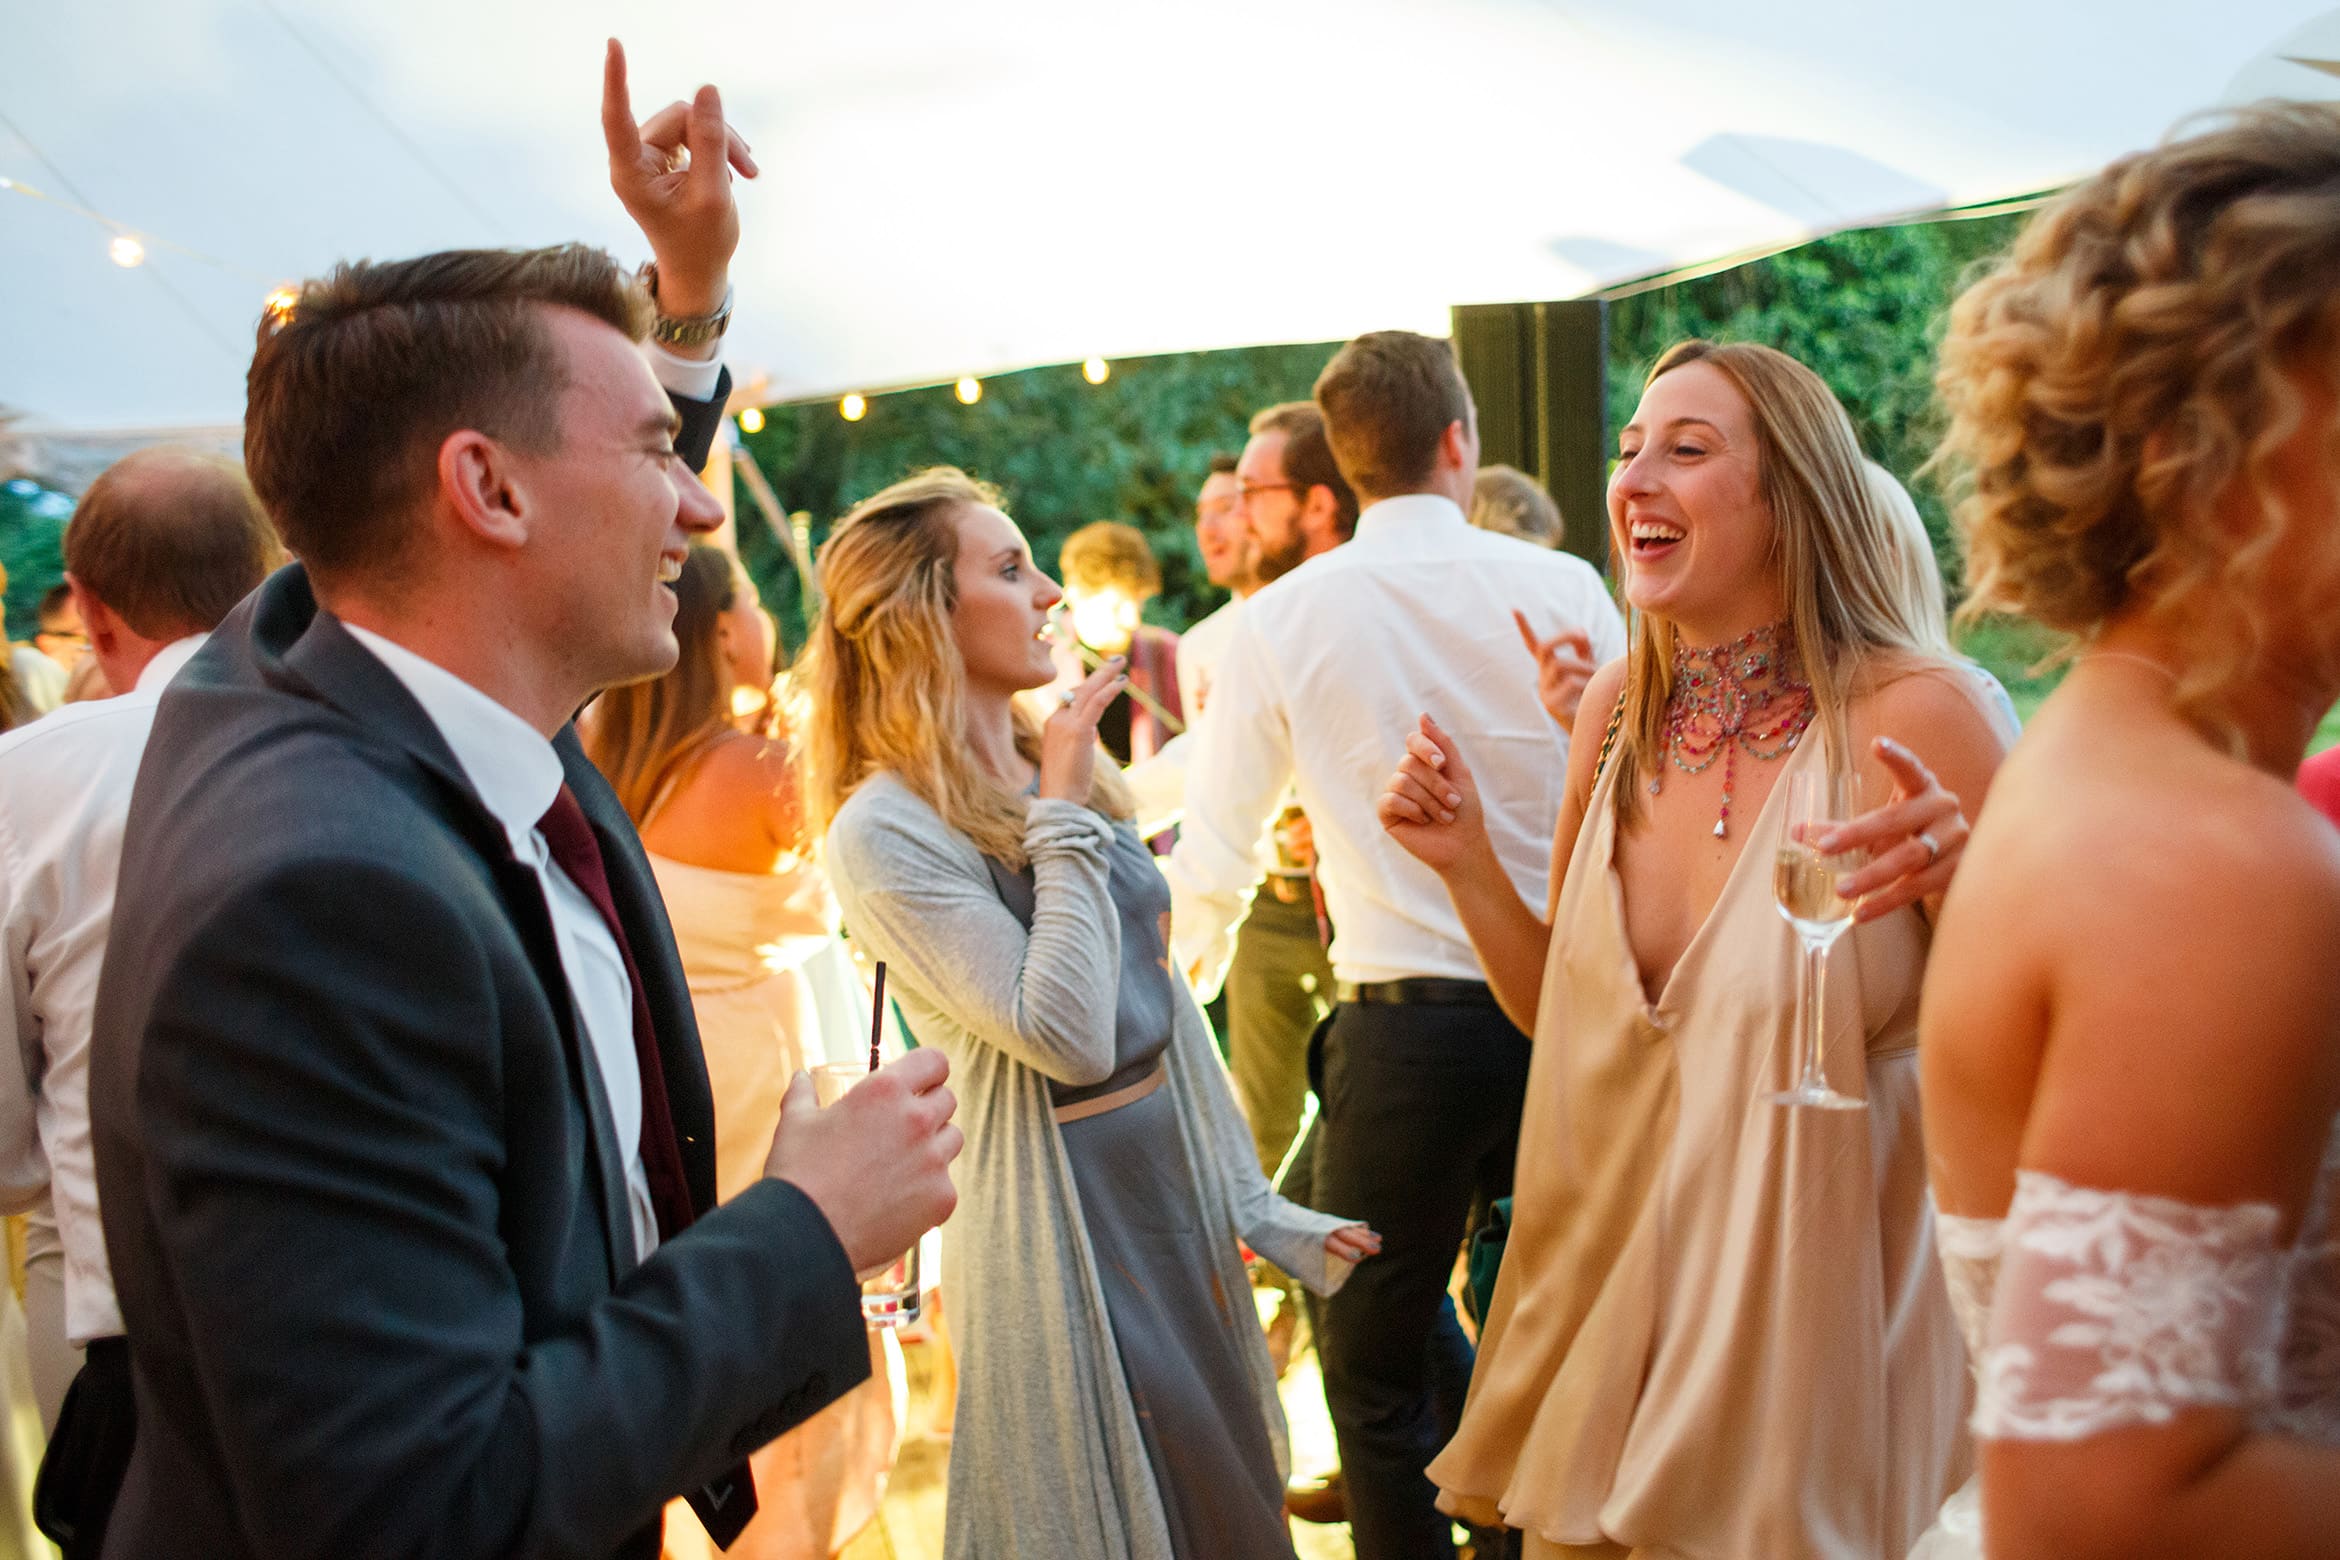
x=2117 y=1309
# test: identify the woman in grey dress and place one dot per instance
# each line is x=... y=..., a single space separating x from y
x=1115 y=1394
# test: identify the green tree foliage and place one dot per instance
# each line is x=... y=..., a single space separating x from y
x=1865 y=310
x=32 y=548
x=1066 y=452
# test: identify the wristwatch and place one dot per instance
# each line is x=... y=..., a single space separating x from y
x=697 y=331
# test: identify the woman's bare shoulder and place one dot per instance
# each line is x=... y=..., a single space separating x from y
x=1602 y=688
x=2183 y=906
x=744 y=764
x=1906 y=692
x=732 y=811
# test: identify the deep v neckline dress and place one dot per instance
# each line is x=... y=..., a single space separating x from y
x=1720 y=1328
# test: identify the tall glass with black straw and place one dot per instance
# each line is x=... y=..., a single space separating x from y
x=889 y=1295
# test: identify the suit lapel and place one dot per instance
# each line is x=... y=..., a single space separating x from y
x=300 y=646
x=523 y=894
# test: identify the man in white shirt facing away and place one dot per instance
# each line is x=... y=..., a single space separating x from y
x=160 y=548
x=1421 y=1076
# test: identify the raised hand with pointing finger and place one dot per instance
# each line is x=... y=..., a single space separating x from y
x=673 y=174
x=1564 y=665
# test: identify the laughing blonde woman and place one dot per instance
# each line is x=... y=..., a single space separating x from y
x=1719 y=1331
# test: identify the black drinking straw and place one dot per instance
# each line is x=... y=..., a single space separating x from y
x=877 y=1015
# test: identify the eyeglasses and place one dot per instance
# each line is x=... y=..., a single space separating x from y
x=1243 y=494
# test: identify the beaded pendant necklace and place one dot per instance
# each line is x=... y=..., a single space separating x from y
x=1745 y=694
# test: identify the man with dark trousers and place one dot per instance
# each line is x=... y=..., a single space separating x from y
x=403 y=1138
x=1421 y=1077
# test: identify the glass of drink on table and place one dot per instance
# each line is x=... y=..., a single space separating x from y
x=1803 y=882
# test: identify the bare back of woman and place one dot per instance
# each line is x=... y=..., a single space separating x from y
x=731 y=807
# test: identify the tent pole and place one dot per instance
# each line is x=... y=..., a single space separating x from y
x=1538 y=372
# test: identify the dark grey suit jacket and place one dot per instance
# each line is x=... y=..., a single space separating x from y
x=366 y=1219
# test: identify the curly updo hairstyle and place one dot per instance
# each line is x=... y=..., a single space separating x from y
x=2128 y=364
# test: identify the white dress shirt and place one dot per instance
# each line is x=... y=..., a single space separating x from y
x=1158 y=784
x=517 y=774
x=1200 y=650
x=65 y=783
x=1325 y=674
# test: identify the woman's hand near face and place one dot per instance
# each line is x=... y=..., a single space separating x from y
x=1068 y=743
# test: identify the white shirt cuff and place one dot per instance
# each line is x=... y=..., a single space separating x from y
x=694 y=379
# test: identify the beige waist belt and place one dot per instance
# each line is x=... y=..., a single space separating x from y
x=1082 y=1110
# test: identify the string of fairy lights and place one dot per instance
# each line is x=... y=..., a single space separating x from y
x=128 y=247
x=854 y=406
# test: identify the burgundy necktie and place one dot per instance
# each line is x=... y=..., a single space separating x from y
x=569 y=837
x=725 y=1503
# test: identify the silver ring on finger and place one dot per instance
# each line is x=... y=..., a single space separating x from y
x=1064 y=700
x=1933 y=847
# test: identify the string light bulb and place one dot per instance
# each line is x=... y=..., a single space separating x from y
x=126 y=251
x=969 y=390
x=853 y=408
x=278 y=305
x=1095 y=370
x=751 y=420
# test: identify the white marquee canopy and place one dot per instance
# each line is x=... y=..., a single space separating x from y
x=968 y=187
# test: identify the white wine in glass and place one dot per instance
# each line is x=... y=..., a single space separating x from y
x=1803 y=881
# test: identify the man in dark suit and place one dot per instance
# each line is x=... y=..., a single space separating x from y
x=403 y=1138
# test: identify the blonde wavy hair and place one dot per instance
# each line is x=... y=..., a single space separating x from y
x=2126 y=365
x=881 y=685
x=1840 y=561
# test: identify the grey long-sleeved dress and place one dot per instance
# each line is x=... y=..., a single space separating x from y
x=1115 y=1396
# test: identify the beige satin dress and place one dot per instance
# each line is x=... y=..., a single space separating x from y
x=1720 y=1330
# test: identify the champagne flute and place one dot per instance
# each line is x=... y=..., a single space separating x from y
x=1803 y=881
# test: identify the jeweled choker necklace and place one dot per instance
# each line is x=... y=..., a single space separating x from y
x=1727 y=697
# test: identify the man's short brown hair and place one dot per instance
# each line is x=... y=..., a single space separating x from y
x=358 y=382
x=1308 y=459
x=1387 y=397
x=170 y=539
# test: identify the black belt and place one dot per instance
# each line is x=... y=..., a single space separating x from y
x=1420 y=990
